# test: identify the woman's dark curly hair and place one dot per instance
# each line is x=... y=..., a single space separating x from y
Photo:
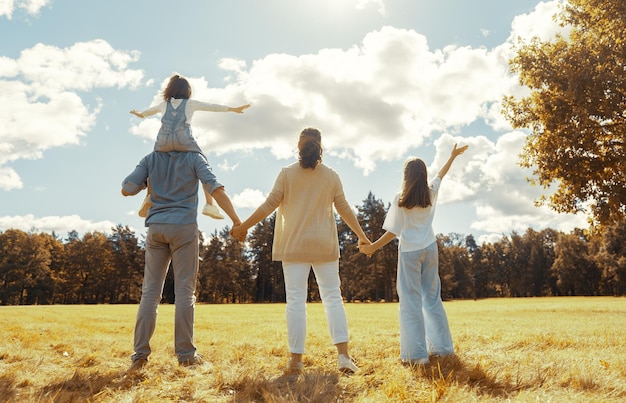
x=310 y=148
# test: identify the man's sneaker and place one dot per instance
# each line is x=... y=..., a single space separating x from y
x=193 y=361
x=212 y=212
x=137 y=365
x=145 y=206
x=346 y=364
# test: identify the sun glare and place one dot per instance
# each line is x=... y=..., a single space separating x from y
x=342 y=7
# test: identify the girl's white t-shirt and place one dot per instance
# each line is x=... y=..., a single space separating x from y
x=413 y=227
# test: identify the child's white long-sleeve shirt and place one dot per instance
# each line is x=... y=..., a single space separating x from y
x=190 y=109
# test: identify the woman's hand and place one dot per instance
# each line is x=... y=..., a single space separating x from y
x=239 y=233
x=367 y=248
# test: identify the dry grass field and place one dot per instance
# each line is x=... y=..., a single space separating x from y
x=518 y=350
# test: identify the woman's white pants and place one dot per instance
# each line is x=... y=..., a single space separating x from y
x=296 y=276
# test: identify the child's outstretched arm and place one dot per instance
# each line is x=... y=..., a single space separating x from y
x=455 y=153
x=137 y=113
x=238 y=109
x=385 y=238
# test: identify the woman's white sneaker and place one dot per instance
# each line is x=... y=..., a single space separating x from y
x=346 y=364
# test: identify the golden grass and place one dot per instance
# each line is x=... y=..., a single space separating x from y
x=519 y=350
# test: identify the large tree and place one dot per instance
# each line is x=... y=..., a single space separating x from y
x=24 y=259
x=371 y=278
x=128 y=265
x=574 y=268
x=577 y=109
x=611 y=258
x=270 y=284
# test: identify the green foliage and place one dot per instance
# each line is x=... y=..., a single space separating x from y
x=576 y=110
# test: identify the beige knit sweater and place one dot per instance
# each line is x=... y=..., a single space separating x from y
x=306 y=230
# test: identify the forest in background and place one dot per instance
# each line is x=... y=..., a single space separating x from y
x=41 y=268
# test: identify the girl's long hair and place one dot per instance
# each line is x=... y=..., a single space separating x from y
x=310 y=148
x=415 y=191
x=178 y=87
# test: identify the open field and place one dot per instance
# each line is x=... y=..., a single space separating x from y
x=520 y=350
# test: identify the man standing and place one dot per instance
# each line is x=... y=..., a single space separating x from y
x=172 y=236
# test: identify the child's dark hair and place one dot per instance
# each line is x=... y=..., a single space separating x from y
x=177 y=88
x=310 y=148
x=415 y=191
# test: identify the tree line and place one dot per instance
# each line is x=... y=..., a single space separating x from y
x=42 y=268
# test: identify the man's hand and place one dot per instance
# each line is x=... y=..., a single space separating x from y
x=239 y=233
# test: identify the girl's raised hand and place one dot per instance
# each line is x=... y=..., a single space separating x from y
x=460 y=150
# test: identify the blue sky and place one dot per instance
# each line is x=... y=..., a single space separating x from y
x=382 y=79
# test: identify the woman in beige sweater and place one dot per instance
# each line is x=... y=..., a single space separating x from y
x=305 y=236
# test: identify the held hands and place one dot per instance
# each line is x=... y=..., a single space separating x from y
x=239 y=233
x=365 y=246
x=367 y=249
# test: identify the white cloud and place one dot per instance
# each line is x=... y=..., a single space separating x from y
x=375 y=100
x=6 y=8
x=31 y=7
x=538 y=23
x=248 y=198
x=371 y=101
x=9 y=179
x=226 y=167
x=489 y=176
x=38 y=96
x=58 y=224
x=379 y=4
x=82 y=66
x=496 y=221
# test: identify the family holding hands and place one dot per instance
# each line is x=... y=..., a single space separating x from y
x=305 y=196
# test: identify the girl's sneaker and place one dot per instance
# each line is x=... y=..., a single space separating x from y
x=145 y=206
x=212 y=212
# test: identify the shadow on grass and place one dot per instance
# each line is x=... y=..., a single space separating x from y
x=310 y=386
x=7 y=388
x=443 y=371
x=84 y=385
